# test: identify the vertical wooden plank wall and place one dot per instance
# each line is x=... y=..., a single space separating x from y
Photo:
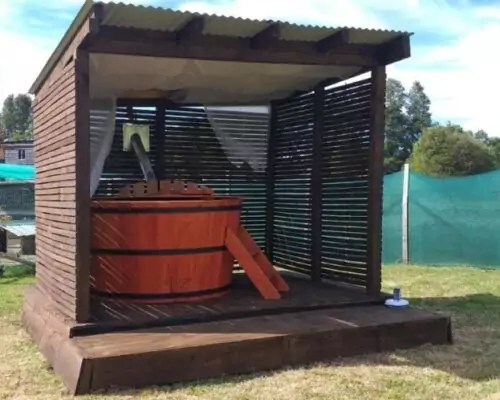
x=56 y=187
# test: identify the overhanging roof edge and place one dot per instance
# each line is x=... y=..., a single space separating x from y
x=62 y=46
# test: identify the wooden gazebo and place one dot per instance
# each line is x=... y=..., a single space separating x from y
x=302 y=146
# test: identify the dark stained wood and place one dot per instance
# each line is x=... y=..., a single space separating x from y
x=336 y=39
x=266 y=37
x=211 y=350
x=243 y=300
x=56 y=187
x=317 y=184
x=271 y=153
x=132 y=41
x=376 y=172
x=160 y=139
x=82 y=181
x=191 y=30
x=201 y=350
x=51 y=334
x=397 y=49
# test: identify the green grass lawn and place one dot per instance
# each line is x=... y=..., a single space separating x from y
x=469 y=369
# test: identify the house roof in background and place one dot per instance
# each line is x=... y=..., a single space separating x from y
x=19 y=227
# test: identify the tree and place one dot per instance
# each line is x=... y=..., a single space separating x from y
x=494 y=144
x=396 y=123
x=407 y=115
x=418 y=111
x=451 y=151
x=16 y=117
x=482 y=136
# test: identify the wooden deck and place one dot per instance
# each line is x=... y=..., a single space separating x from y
x=242 y=301
x=237 y=334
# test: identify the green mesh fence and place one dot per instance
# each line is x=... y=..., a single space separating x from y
x=451 y=220
x=391 y=233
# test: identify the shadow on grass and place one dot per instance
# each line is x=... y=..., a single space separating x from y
x=475 y=352
x=474 y=355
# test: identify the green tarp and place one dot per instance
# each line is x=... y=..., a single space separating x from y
x=451 y=220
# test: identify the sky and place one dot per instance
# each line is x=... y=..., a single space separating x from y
x=453 y=46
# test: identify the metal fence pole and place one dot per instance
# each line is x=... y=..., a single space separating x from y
x=404 y=214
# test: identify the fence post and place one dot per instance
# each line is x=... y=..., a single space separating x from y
x=404 y=214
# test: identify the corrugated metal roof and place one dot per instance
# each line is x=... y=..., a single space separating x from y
x=163 y=19
x=19 y=228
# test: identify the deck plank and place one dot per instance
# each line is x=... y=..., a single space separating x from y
x=204 y=334
x=198 y=351
x=243 y=300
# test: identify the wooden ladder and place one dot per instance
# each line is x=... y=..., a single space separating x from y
x=254 y=262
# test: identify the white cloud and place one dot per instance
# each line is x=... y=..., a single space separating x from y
x=25 y=59
x=459 y=77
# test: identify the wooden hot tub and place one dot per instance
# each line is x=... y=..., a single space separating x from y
x=162 y=250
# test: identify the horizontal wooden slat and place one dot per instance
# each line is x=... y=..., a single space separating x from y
x=54 y=126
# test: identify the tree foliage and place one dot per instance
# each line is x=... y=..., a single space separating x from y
x=451 y=151
x=16 y=117
x=407 y=115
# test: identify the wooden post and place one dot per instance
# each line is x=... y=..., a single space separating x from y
x=160 y=140
x=404 y=214
x=376 y=173
x=82 y=175
x=316 y=184
x=271 y=154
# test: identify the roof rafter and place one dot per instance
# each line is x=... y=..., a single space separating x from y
x=141 y=42
x=394 y=50
x=333 y=41
x=192 y=29
x=266 y=37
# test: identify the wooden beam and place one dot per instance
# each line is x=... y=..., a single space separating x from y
x=317 y=184
x=324 y=83
x=82 y=177
x=270 y=181
x=395 y=50
x=266 y=37
x=333 y=41
x=191 y=30
x=140 y=42
x=375 y=183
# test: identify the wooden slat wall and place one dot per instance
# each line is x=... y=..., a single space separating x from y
x=55 y=187
x=346 y=150
x=192 y=151
x=344 y=123
x=293 y=143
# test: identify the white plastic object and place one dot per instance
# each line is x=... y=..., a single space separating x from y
x=397 y=301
